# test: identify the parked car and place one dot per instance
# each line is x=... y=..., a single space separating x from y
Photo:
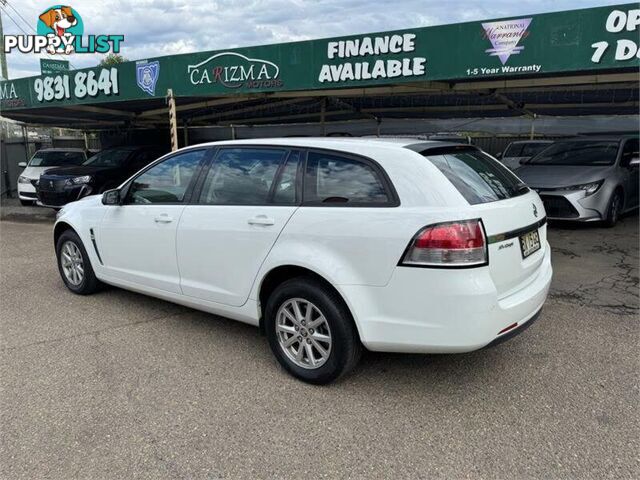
x=327 y=245
x=103 y=171
x=43 y=160
x=517 y=153
x=586 y=179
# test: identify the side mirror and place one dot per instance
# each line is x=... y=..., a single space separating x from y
x=523 y=161
x=111 y=197
x=635 y=161
x=499 y=155
x=22 y=164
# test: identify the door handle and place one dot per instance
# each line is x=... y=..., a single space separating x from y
x=164 y=218
x=261 y=220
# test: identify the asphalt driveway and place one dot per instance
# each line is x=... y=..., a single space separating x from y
x=118 y=385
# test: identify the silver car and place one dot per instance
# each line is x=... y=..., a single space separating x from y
x=521 y=151
x=586 y=179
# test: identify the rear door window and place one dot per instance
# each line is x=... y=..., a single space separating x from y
x=242 y=176
x=336 y=180
x=478 y=177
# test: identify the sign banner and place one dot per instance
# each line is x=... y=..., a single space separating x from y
x=53 y=67
x=576 y=41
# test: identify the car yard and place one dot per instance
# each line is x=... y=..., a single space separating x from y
x=122 y=385
x=117 y=381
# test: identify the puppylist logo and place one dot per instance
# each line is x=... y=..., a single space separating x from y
x=60 y=30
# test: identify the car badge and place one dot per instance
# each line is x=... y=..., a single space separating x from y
x=535 y=210
x=51 y=183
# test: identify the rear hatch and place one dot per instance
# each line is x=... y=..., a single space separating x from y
x=513 y=216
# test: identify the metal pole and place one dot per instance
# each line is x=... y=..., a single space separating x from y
x=3 y=56
x=25 y=136
x=323 y=111
x=186 y=133
x=533 y=127
x=173 y=121
x=86 y=140
x=233 y=132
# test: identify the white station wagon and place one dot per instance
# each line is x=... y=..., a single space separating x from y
x=326 y=244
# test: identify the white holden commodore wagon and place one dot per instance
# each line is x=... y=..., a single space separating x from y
x=328 y=245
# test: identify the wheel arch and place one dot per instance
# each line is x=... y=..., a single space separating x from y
x=279 y=274
x=59 y=229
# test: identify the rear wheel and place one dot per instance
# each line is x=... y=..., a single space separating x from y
x=311 y=331
x=74 y=265
x=614 y=209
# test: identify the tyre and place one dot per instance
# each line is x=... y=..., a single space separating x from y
x=614 y=209
x=27 y=203
x=74 y=264
x=311 y=331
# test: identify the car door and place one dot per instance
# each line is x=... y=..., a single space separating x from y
x=246 y=198
x=137 y=239
x=629 y=152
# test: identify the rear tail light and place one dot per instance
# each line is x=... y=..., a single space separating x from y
x=451 y=244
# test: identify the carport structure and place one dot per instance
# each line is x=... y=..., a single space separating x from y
x=573 y=63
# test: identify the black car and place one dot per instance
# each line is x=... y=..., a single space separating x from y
x=105 y=170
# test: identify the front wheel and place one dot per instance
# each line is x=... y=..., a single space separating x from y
x=74 y=265
x=311 y=331
x=27 y=203
x=614 y=209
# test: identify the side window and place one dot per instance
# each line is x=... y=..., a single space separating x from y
x=166 y=182
x=629 y=151
x=241 y=176
x=284 y=191
x=331 y=179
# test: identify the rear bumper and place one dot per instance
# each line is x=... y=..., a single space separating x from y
x=515 y=331
x=443 y=311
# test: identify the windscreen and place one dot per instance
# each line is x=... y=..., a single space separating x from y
x=524 y=149
x=532 y=149
x=478 y=177
x=582 y=153
x=56 y=159
x=108 y=158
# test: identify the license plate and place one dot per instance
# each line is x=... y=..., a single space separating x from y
x=529 y=243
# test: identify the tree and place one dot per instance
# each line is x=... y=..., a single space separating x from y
x=112 y=59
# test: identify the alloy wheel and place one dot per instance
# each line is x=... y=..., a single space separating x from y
x=72 y=263
x=303 y=333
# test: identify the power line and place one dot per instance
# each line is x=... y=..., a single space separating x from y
x=14 y=22
x=6 y=2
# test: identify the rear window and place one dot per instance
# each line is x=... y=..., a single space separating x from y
x=478 y=177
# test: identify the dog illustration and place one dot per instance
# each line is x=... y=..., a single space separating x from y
x=59 y=19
